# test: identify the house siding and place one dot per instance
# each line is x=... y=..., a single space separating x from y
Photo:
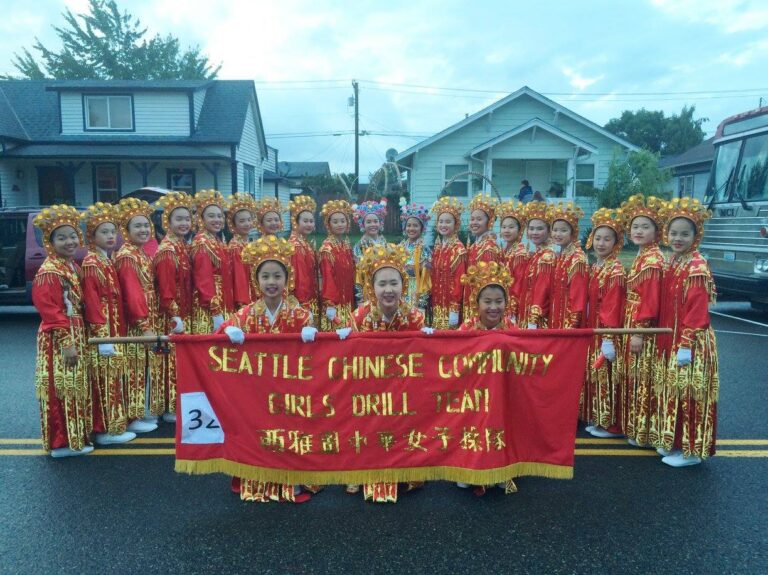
x=155 y=114
x=249 y=152
x=198 y=99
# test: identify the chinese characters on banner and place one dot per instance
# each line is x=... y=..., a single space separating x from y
x=476 y=407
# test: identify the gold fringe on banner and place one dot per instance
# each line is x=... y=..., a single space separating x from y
x=470 y=476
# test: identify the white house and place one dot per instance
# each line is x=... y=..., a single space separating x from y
x=522 y=136
x=83 y=141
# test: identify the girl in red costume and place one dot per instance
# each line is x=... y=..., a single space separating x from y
x=212 y=297
x=173 y=278
x=269 y=216
x=601 y=399
x=304 y=260
x=536 y=291
x=489 y=284
x=61 y=378
x=571 y=273
x=691 y=380
x=144 y=383
x=514 y=253
x=241 y=211
x=640 y=410
x=384 y=274
x=449 y=262
x=273 y=311
x=337 y=267
x=104 y=318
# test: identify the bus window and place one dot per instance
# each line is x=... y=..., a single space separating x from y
x=725 y=165
x=753 y=172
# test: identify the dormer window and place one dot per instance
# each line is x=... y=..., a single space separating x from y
x=108 y=112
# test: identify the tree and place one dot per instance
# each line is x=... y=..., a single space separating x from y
x=653 y=131
x=325 y=186
x=105 y=44
x=639 y=173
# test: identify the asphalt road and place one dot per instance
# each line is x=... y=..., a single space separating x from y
x=620 y=514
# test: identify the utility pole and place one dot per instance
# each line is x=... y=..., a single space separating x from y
x=357 y=141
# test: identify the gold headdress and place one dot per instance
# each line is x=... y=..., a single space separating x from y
x=301 y=204
x=170 y=202
x=269 y=248
x=488 y=204
x=97 y=214
x=382 y=256
x=512 y=209
x=263 y=207
x=129 y=208
x=639 y=205
x=536 y=211
x=482 y=275
x=608 y=218
x=448 y=205
x=204 y=199
x=335 y=207
x=238 y=202
x=55 y=217
x=569 y=213
x=688 y=208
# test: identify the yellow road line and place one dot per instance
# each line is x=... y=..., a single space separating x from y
x=742 y=453
x=742 y=442
x=616 y=452
x=154 y=440
x=154 y=451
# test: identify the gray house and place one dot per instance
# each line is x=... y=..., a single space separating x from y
x=90 y=140
x=690 y=171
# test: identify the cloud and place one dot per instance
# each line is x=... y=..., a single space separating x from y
x=577 y=80
x=746 y=55
x=731 y=16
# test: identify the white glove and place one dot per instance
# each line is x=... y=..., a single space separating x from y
x=308 y=334
x=235 y=334
x=684 y=356
x=453 y=318
x=513 y=319
x=217 y=321
x=608 y=349
x=427 y=330
x=532 y=326
x=330 y=313
x=178 y=325
x=344 y=332
x=106 y=349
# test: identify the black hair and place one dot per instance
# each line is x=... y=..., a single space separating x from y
x=693 y=225
x=493 y=286
x=258 y=268
x=525 y=182
x=296 y=219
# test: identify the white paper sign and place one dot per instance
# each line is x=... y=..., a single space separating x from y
x=199 y=424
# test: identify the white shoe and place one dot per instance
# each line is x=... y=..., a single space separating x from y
x=501 y=485
x=169 y=417
x=141 y=426
x=109 y=439
x=633 y=443
x=679 y=460
x=150 y=419
x=598 y=431
x=67 y=452
x=665 y=452
x=461 y=485
x=589 y=428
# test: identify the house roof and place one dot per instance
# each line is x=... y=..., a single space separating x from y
x=532 y=124
x=524 y=91
x=114 y=151
x=134 y=85
x=303 y=169
x=29 y=109
x=702 y=153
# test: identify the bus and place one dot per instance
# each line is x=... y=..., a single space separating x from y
x=735 y=239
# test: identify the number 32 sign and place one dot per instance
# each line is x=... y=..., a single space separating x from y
x=199 y=424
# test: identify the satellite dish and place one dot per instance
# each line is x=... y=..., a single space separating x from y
x=391 y=154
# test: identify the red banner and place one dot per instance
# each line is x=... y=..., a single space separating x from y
x=477 y=407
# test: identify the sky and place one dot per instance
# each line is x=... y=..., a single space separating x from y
x=422 y=65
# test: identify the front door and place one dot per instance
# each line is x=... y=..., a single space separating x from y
x=55 y=186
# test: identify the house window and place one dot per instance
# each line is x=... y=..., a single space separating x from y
x=685 y=186
x=459 y=186
x=249 y=179
x=108 y=112
x=585 y=180
x=106 y=183
x=181 y=180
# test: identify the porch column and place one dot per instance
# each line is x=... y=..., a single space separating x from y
x=488 y=168
x=570 y=179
